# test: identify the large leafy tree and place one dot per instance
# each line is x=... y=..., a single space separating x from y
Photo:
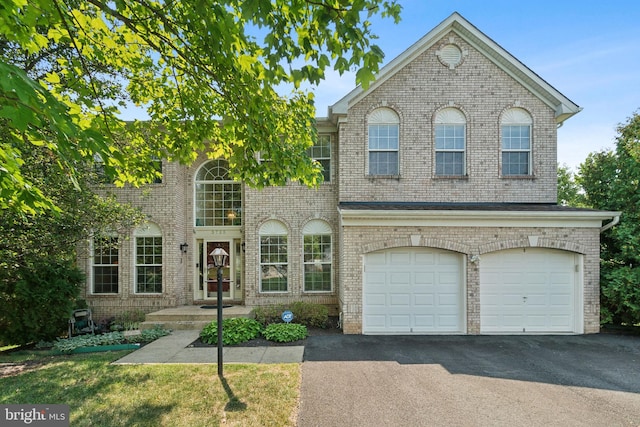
x=569 y=191
x=207 y=73
x=611 y=181
x=39 y=283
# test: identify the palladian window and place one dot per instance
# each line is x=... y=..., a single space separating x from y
x=218 y=198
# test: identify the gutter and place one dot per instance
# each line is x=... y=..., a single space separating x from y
x=616 y=219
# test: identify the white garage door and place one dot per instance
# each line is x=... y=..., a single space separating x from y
x=529 y=290
x=412 y=291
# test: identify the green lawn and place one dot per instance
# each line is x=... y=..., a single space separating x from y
x=101 y=394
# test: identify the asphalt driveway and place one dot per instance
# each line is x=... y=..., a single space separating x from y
x=590 y=380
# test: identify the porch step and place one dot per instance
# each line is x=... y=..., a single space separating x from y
x=191 y=317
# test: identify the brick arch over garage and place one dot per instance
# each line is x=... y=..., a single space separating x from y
x=417 y=241
x=535 y=242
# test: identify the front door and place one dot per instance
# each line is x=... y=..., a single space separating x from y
x=210 y=273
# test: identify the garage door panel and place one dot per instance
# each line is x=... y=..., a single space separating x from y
x=507 y=278
x=423 y=292
x=399 y=278
x=449 y=321
x=560 y=300
x=535 y=279
x=449 y=278
x=373 y=300
x=537 y=321
x=536 y=300
x=491 y=320
x=377 y=279
x=425 y=259
x=424 y=278
x=399 y=258
x=559 y=279
x=511 y=320
x=400 y=300
x=424 y=320
x=561 y=321
x=373 y=320
x=423 y=300
x=514 y=300
x=451 y=301
x=532 y=290
x=399 y=321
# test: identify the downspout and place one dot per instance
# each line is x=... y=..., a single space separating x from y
x=616 y=219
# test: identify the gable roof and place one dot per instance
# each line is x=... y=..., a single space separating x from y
x=563 y=106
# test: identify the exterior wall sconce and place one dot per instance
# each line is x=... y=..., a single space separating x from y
x=183 y=247
x=474 y=258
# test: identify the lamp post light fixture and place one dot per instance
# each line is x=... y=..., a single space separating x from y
x=219 y=256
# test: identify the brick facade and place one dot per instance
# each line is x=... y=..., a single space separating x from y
x=484 y=84
x=482 y=91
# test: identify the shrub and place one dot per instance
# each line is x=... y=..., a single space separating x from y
x=285 y=332
x=38 y=304
x=234 y=331
x=619 y=294
x=268 y=314
x=305 y=313
x=127 y=321
x=310 y=314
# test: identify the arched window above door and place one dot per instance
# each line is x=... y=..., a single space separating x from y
x=218 y=198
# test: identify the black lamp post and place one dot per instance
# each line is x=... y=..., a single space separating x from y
x=219 y=258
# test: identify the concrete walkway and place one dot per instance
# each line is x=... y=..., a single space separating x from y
x=174 y=349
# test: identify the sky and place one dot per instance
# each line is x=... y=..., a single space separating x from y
x=588 y=50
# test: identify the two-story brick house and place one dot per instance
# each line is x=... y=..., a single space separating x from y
x=438 y=212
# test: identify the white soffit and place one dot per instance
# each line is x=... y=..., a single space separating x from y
x=563 y=107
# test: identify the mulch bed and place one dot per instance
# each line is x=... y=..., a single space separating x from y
x=332 y=329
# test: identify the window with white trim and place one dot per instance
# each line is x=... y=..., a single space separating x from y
x=321 y=153
x=515 y=128
x=317 y=256
x=383 y=142
x=274 y=257
x=450 y=143
x=148 y=261
x=105 y=262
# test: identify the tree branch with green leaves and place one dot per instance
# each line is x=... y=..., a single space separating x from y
x=208 y=73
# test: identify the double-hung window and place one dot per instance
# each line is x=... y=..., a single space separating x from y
x=317 y=256
x=148 y=259
x=383 y=145
x=274 y=257
x=321 y=153
x=105 y=265
x=450 y=143
x=516 y=143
